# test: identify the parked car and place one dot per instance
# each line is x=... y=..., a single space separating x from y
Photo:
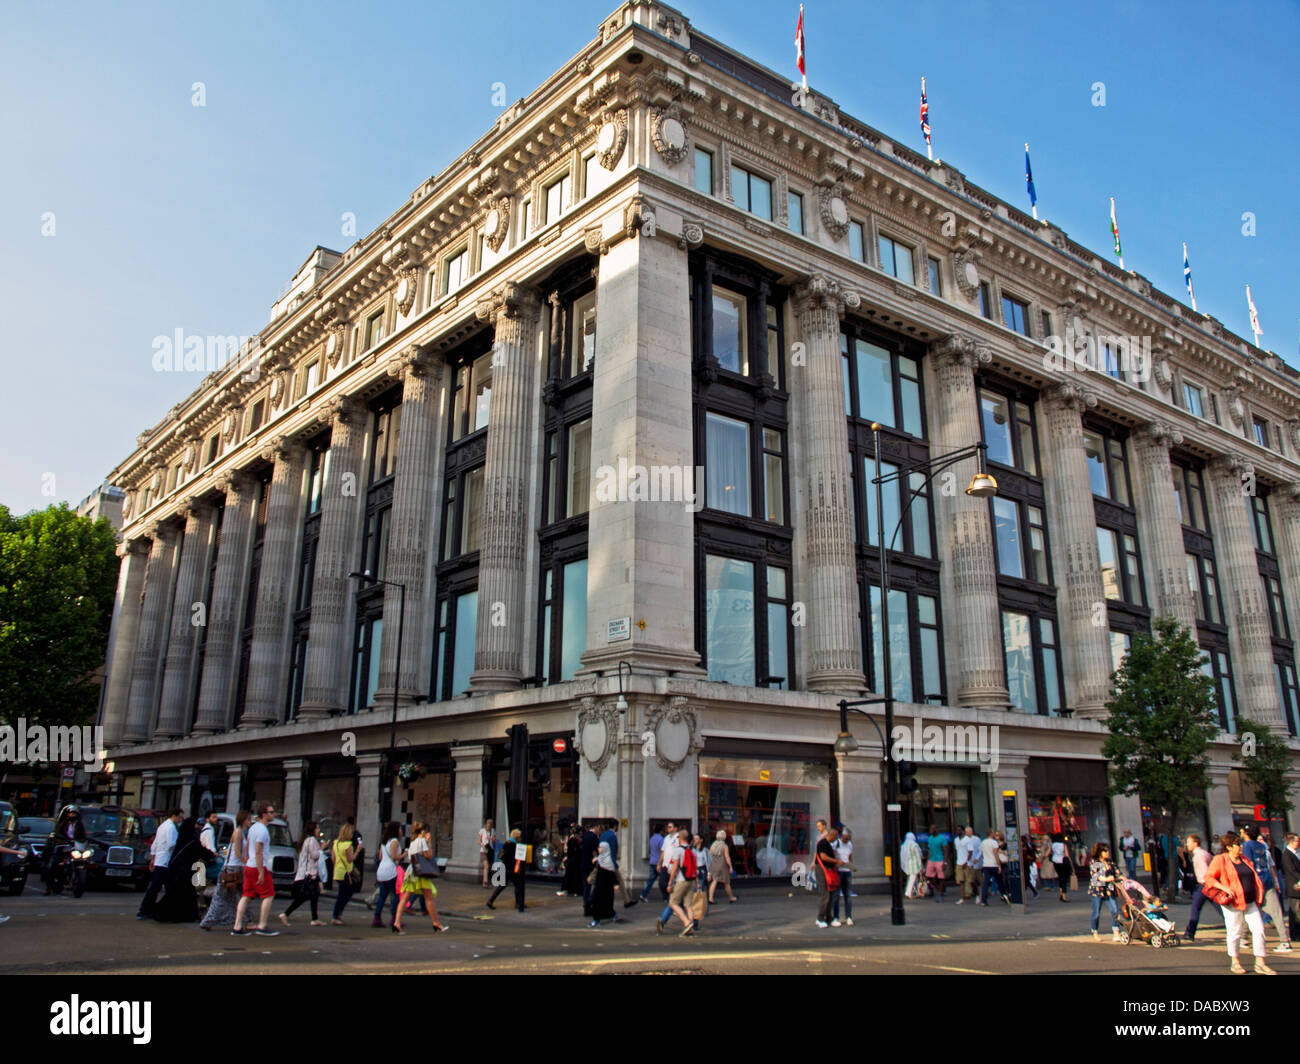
x=149 y=819
x=13 y=868
x=119 y=853
x=284 y=854
x=32 y=832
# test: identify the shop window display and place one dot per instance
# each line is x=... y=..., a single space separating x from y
x=1082 y=821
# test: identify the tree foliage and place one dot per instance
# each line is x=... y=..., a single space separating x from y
x=1265 y=758
x=58 y=578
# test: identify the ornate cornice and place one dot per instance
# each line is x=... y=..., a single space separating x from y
x=1158 y=434
x=822 y=292
x=961 y=348
x=344 y=409
x=1072 y=395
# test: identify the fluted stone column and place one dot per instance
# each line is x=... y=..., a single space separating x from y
x=1072 y=522
x=410 y=535
x=178 y=668
x=1284 y=504
x=831 y=565
x=269 y=654
x=368 y=795
x=126 y=634
x=217 y=684
x=972 y=618
x=153 y=624
x=329 y=645
x=1159 y=523
x=1249 y=631
x=498 y=655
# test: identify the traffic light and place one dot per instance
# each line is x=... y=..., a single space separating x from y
x=907 y=782
x=518 y=762
x=540 y=761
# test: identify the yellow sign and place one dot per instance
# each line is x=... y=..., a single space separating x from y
x=1146 y=862
x=624 y=821
x=889 y=871
x=764 y=774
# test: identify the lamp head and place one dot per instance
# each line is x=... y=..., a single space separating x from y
x=983 y=486
x=845 y=743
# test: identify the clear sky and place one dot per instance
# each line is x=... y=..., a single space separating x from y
x=169 y=216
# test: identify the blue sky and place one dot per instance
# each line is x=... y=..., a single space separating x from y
x=172 y=216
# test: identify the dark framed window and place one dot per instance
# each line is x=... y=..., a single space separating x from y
x=896 y=258
x=1218 y=667
x=704 y=171
x=562 y=636
x=1203 y=581
x=1260 y=428
x=367 y=649
x=751 y=192
x=1289 y=694
x=1194 y=399
x=1032 y=659
x=857 y=242
x=794 y=208
x=374 y=329
x=1106 y=454
x=1020 y=539
x=1008 y=426
x=1121 y=575
x=935 y=276
x=748 y=639
x=882 y=379
x=1261 y=523
x=985 y=299
x=1276 y=606
x=1107 y=461
x=471 y=396
x=1189 y=489
x=1015 y=313
x=385 y=436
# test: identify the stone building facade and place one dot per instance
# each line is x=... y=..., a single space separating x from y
x=596 y=404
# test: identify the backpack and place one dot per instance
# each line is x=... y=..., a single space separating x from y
x=689 y=866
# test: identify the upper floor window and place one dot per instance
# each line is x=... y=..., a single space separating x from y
x=910 y=534
x=1276 y=607
x=704 y=171
x=1020 y=539
x=794 y=204
x=309 y=378
x=1111 y=362
x=1008 y=431
x=525 y=217
x=317 y=477
x=255 y=416
x=936 y=279
x=1203 y=583
x=1260 y=427
x=568 y=471
x=1189 y=489
x=1032 y=659
x=590 y=174
x=881 y=383
x=857 y=243
x=730 y=320
x=751 y=192
x=896 y=258
x=1261 y=525
x=582 y=342
x=729 y=469
x=1016 y=315
x=383 y=455
x=747 y=633
x=558 y=198
x=1107 y=466
x=455 y=271
x=374 y=329
x=472 y=399
x=1120 y=573
x=985 y=300
x=214 y=443
x=1194 y=399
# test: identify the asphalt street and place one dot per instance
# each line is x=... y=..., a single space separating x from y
x=771 y=930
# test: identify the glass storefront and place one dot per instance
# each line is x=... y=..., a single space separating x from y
x=1081 y=820
x=428 y=800
x=551 y=807
x=767 y=805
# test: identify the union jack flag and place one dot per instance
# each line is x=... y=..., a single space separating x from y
x=925 y=114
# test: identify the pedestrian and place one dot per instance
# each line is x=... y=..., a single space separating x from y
x=1233 y=882
x=306 y=877
x=656 y=855
x=1061 y=864
x=679 y=863
x=812 y=864
x=602 y=891
x=1046 y=870
x=512 y=855
x=610 y=835
x=1129 y=846
x=572 y=884
x=586 y=862
x=15 y=853
x=1200 y=866
x=487 y=844
x=1029 y=858
x=720 y=867
x=179 y=903
x=967 y=847
x=230 y=880
x=1103 y=878
x=1186 y=872
x=909 y=860
x=991 y=858
x=934 y=866
x=208 y=840
x=1262 y=858
x=346 y=875
x=160 y=855
x=843 y=847
x=828 y=880
x=1291 y=879
x=257 y=874
x=420 y=873
x=390 y=852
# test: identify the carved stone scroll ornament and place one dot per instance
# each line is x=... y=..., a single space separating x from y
x=611 y=138
x=596 y=734
x=675 y=727
x=967 y=273
x=834 y=209
x=496 y=222
x=669 y=134
x=1236 y=409
x=404 y=294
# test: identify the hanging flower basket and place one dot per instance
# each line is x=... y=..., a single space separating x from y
x=408 y=772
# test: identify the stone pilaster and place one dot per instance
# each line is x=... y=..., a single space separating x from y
x=411 y=533
x=498 y=655
x=972 y=618
x=148 y=788
x=178 y=668
x=293 y=769
x=1159 y=523
x=1250 y=636
x=217 y=683
x=1072 y=524
x=153 y=624
x=269 y=654
x=1218 y=801
x=862 y=809
x=368 y=812
x=234 y=787
x=329 y=647
x=834 y=664
x=468 y=807
x=125 y=636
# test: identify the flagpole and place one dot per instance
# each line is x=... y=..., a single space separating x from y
x=1029 y=184
x=1187 y=270
x=1114 y=224
x=802 y=63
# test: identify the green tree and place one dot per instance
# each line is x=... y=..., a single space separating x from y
x=1265 y=757
x=58 y=578
x=1163 y=717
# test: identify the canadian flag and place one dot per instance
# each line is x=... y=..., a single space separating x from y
x=798 y=44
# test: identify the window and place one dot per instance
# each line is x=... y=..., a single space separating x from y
x=734 y=643
x=311 y=376
x=704 y=171
x=730 y=346
x=387 y=430
x=1260 y=426
x=1194 y=399
x=774 y=476
x=455 y=271
x=1047 y=325
x=214 y=443
x=590 y=174
x=1111 y=361
x=1204 y=585
x=374 y=329
x=1276 y=608
x=727 y=465
x=1008 y=431
x=570 y=485
x=374 y=547
x=1217 y=666
x=255 y=416
x=365 y=662
x=1120 y=573
x=794 y=206
x=751 y=192
x=1016 y=315
x=936 y=280
x=564 y=638
x=1107 y=466
x=985 y=300
x=912 y=536
x=857 y=242
x=1032 y=660
x=1021 y=539
x=558 y=198
x=1261 y=525
x=915 y=662
x=1189 y=490
x=882 y=383
x=1290 y=695
x=454 y=648
x=1120 y=644
x=582 y=342
x=472 y=396
x=525 y=217
x=896 y=258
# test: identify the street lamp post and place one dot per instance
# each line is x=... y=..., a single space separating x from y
x=982 y=486
x=389 y=757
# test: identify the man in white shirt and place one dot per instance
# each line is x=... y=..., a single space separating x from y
x=257 y=873
x=1200 y=865
x=208 y=834
x=967 y=846
x=160 y=855
x=991 y=860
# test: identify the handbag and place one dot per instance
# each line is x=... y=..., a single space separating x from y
x=231 y=878
x=591 y=876
x=424 y=866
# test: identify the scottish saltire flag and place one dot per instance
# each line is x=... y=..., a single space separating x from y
x=798 y=47
x=1187 y=276
x=925 y=115
x=1029 y=180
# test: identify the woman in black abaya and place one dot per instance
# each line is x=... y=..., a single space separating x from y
x=180 y=902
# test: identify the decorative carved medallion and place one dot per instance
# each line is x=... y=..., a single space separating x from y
x=596 y=733
x=1236 y=409
x=496 y=222
x=669 y=133
x=692 y=235
x=966 y=272
x=612 y=138
x=334 y=342
x=404 y=295
x=834 y=209
x=676 y=731
x=1294 y=427
x=229 y=426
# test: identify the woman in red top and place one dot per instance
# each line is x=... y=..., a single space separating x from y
x=1233 y=883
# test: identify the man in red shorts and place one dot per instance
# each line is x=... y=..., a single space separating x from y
x=257 y=874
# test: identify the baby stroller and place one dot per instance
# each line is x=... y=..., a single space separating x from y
x=1144 y=917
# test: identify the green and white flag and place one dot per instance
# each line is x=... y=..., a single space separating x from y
x=1114 y=231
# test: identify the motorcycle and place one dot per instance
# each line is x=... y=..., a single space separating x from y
x=71 y=869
